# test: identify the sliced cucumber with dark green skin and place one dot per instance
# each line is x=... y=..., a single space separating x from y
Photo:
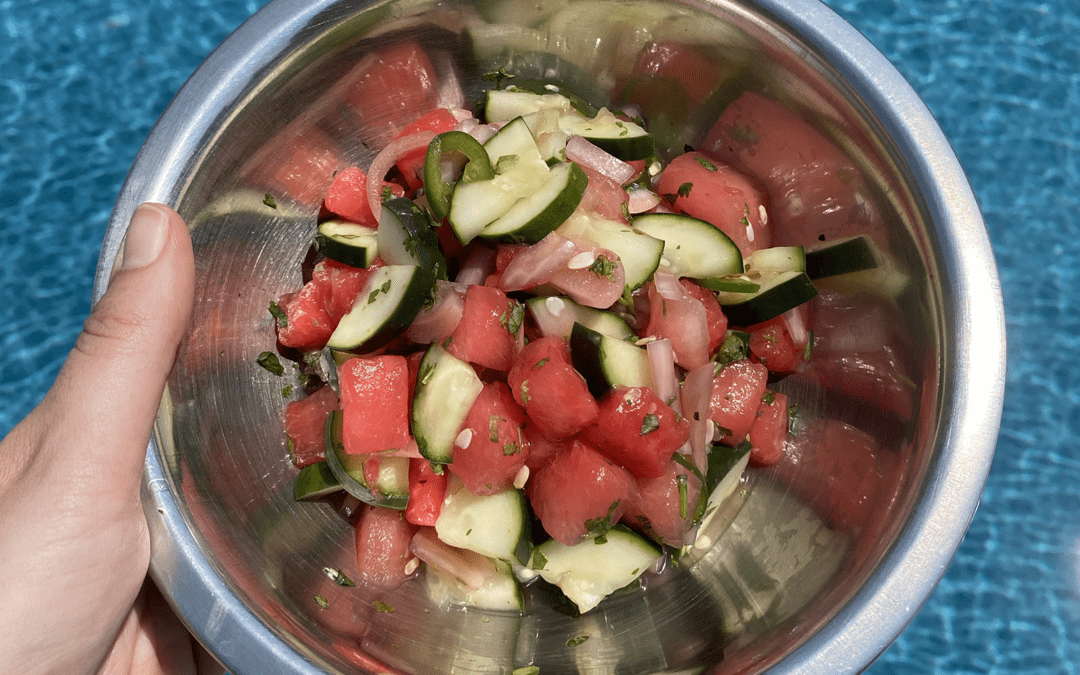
x=556 y=315
x=525 y=200
x=497 y=525
x=503 y=105
x=391 y=299
x=446 y=388
x=590 y=571
x=623 y=139
x=535 y=216
x=500 y=593
x=779 y=292
x=692 y=248
x=764 y=261
x=406 y=237
x=843 y=256
x=638 y=252
x=607 y=362
x=775 y=259
x=347 y=243
x=391 y=488
x=315 y=482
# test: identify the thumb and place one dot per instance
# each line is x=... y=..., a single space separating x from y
x=104 y=401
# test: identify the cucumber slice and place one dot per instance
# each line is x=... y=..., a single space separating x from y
x=855 y=265
x=843 y=256
x=347 y=243
x=779 y=292
x=623 y=139
x=775 y=259
x=590 y=571
x=390 y=489
x=556 y=315
x=503 y=105
x=606 y=362
x=391 y=299
x=534 y=216
x=497 y=525
x=520 y=172
x=722 y=480
x=405 y=237
x=446 y=388
x=639 y=252
x=501 y=593
x=315 y=482
x=692 y=248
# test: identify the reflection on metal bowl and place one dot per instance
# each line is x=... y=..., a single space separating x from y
x=815 y=564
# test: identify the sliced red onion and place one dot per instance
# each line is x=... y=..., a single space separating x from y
x=538 y=263
x=388 y=157
x=795 y=321
x=479 y=263
x=696 y=394
x=450 y=94
x=411 y=450
x=583 y=152
x=662 y=368
x=588 y=287
x=469 y=567
x=642 y=200
x=668 y=286
x=437 y=322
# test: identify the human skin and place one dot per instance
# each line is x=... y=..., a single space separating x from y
x=74 y=544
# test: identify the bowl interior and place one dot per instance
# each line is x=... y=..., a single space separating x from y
x=796 y=542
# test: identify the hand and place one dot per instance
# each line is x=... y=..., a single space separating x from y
x=74 y=547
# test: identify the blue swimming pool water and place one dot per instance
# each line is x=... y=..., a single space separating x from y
x=81 y=83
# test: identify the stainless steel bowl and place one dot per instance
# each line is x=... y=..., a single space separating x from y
x=820 y=566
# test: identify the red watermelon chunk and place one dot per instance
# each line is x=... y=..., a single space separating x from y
x=307 y=325
x=340 y=284
x=304 y=420
x=714 y=192
x=487 y=332
x=347 y=197
x=426 y=492
x=382 y=546
x=496 y=450
x=769 y=430
x=374 y=404
x=736 y=395
x=664 y=506
x=579 y=493
x=554 y=395
x=637 y=430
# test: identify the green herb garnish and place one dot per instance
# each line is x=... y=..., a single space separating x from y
x=649 y=423
x=269 y=361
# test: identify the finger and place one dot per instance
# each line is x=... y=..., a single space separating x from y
x=101 y=408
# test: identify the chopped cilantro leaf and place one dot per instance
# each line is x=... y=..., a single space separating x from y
x=320 y=601
x=706 y=163
x=649 y=423
x=575 y=641
x=383 y=607
x=269 y=361
x=268 y=199
x=684 y=189
x=279 y=315
x=603 y=267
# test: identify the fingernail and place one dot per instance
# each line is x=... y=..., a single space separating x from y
x=146 y=235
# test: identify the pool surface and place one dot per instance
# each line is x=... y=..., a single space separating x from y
x=81 y=84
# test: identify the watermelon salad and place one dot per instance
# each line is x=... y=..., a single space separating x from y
x=544 y=354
